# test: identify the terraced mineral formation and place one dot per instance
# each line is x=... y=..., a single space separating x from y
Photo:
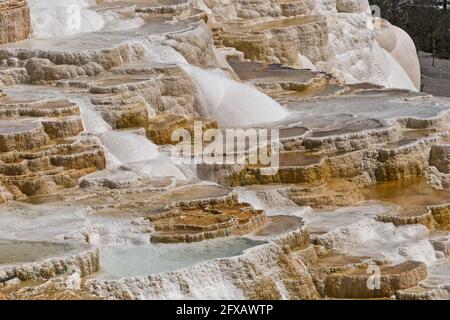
x=353 y=284
x=15 y=21
x=95 y=202
x=337 y=36
x=208 y=223
x=39 y=154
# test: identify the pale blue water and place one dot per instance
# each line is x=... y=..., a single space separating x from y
x=121 y=262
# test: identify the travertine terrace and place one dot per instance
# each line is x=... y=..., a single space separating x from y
x=15 y=20
x=94 y=204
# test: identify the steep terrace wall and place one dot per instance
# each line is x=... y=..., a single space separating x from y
x=14 y=20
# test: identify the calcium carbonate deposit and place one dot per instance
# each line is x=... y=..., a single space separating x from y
x=95 y=201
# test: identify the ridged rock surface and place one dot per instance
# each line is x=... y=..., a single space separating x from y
x=14 y=21
x=91 y=117
x=333 y=36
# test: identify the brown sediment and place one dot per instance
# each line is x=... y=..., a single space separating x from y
x=35 y=158
x=161 y=128
x=207 y=223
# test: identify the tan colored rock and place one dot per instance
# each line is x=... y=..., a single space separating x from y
x=353 y=284
x=63 y=61
x=139 y=90
x=35 y=158
x=426 y=219
x=281 y=41
x=419 y=293
x=208 y=223
x=130 y=113
x=21 y=135
x=322 y=263
x=3 y=199
x=337 y=193
x=50 y=108
x=440 y=157
x=406 y=161
x=241 y=9
x=13 y=76
x=335 y=161
x=153 y=7
x=441 y=217
x=44 y=70
x=442 y=244
x=160 y=128
x=276 y=80
x=85 y=262
x=196 y=46
x=76 y=157
x=342 y=44
x=14 y=21
x=63 y=127
x=43 y=167
x=332 y=157
x=352 y=6
x=355 y=135
x=337 y=166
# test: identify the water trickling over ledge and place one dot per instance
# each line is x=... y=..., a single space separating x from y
x=86 y=173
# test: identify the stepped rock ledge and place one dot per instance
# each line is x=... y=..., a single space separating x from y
x=95 y=202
